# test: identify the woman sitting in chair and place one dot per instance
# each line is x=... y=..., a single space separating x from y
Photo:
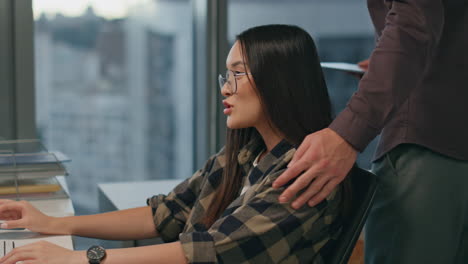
x=228 y=211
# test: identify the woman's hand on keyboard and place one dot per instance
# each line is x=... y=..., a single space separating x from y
x=23 y=215
x=44 y=252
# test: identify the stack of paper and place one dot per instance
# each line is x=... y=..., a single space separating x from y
x=32 y=165
x=28 y=171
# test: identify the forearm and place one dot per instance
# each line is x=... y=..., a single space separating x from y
x=170 y=253
x=136 y=223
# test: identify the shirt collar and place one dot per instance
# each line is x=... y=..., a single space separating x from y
x=251 y=150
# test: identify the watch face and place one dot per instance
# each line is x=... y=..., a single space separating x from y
x=96 y=253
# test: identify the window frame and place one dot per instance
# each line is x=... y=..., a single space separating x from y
x=17 y=94
x=210 y=51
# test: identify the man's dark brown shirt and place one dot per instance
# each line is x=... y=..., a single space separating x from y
x=416 y=88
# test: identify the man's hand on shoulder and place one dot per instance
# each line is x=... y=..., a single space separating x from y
x=324 y=159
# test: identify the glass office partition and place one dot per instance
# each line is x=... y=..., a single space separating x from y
x=114 y=89
x=342 y=31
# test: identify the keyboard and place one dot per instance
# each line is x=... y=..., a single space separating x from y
x=6 y=246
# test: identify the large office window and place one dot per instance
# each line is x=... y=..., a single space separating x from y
x=119 y=89
x=329 y=24
x=114 y=90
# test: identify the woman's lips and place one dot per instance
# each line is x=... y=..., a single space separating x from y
x=228 y=108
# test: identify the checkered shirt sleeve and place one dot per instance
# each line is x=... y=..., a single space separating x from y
x=171 y=212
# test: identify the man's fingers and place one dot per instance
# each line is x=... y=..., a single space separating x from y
x=327 y=189
x=364 y=63
x=290 y=174
x=323 y=155
x=299 y=152
x=299 y=184
x=312 y=189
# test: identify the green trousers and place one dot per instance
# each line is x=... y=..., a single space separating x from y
x=420 y=214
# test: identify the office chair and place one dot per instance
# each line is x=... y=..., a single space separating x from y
x=364 y=186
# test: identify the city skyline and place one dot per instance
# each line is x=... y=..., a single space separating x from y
x=110 y=9
x=112 y=84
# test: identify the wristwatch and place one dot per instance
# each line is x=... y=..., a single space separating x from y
x=95 y=254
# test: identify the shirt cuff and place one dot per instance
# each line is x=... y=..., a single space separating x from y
x=355 y=130
x=198 y=247
x=166 y=225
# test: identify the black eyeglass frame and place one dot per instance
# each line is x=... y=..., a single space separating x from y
x=223 y=80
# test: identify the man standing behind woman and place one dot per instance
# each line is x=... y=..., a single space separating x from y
x=415 y=95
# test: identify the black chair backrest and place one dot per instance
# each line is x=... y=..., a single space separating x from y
x=364 y=186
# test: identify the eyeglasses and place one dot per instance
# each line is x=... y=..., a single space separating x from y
x=230 y=79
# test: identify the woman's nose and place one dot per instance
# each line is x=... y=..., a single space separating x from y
x=225 y=90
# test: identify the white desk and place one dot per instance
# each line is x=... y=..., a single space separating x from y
x=126 y=195
x=55 y=207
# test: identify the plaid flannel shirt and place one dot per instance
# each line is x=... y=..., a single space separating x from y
x=255 y=228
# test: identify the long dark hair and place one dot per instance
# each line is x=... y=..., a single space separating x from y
x=288 y=78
